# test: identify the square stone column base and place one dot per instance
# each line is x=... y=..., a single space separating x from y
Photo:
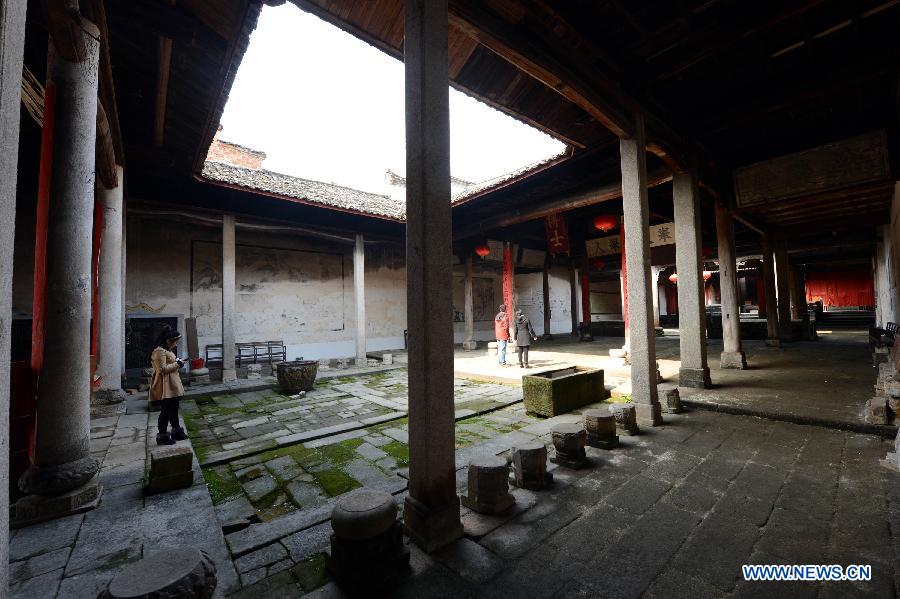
x=432 y=529
x=470 y=345
x=648 y=414
x=734 y=359
x=32 y=509
x=228 y=375
x=773 y=342
x=697 y=378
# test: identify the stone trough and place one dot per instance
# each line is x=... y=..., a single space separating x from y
x=562 y=390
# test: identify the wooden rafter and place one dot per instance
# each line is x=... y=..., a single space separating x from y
x=564 y=203
x=164 y=65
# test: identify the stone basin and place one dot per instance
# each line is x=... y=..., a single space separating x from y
x=296 y=376
x=562 y=390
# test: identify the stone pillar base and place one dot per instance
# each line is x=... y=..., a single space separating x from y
x=546 y=336
x=586 y=337
x=648 y=414
x=228 y=375
x=107 y=410
x=697 y=378
x=167 y=573
x=109 y=396
x=470 y=345
x=432 y=529
x=733 y=359
x=32 y=509
x=773 y=342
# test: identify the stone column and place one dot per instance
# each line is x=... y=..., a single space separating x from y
x=112 y=313
x=431 y=511
x=62 y=461
x=469 y=342
x=641 y=337
x=798 y=294
x=732 y=352
x=694 y=371
x=772 y=339
x=884 y=278
x=573 y=297
x=228 y=264
x=783 y=285
x=654 y=290
x=546 y=297
x=12 y=41
x=359 y=298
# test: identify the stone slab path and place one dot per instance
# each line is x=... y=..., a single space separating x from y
x=78 y=555
x=228 y=426
x=673 y=512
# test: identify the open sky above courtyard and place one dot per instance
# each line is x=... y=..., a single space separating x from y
x=326 y=106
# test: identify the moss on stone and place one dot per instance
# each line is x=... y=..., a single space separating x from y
x=335 y=481
x=221 y=484
x=311 y=573
x=341 y=453
x=398 y=451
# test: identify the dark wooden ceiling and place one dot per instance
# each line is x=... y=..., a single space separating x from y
x=722 y=83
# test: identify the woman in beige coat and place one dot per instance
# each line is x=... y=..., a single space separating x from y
x=166 y=388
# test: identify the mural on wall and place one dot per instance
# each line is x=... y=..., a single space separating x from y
x=279 y=292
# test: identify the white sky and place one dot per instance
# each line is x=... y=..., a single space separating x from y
x=326 y=106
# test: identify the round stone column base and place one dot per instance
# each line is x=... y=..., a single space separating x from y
x=488 y=491
x=697 y=378
x=185 y=573
x=733 y=359
x=59 y=479
x=569 y=441
x=367 y=550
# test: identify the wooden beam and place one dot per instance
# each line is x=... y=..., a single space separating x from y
x=523 y=52
x=105 y=159
x=164 y=65
x=565 y=203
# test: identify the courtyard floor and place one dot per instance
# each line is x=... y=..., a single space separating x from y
x=672 y=512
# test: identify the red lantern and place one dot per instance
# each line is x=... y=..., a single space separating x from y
x=706 y=275
x=482 y=251
x=599 y=264
x=605 y=222
x=673 y=278
x=706 y=250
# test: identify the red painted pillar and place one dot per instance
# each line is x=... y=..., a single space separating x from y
x=509 y=287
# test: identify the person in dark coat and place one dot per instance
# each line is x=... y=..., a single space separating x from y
x=524 y=336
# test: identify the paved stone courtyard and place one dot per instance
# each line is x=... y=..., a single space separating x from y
x=672 y=512
x=227 y=426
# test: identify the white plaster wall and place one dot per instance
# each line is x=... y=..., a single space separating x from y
x=606 y=301
x=298 y=290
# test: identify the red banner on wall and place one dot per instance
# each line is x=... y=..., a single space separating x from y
x=557 y=234
x=841 y=288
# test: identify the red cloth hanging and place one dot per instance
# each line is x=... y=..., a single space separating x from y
x=841 y=288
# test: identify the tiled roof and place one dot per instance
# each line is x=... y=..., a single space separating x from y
x=314 y=192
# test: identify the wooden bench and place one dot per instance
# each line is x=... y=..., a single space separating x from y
x=879 y=337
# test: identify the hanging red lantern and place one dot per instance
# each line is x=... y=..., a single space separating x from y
x=706 y=275
x=482 y=251
x=599 y=264
x=605 y=222
x=673 y=278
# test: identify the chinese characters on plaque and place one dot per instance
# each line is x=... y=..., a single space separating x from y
x=662 y=234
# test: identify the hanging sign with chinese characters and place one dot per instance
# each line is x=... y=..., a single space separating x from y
x=557 y=234
x=662 y=234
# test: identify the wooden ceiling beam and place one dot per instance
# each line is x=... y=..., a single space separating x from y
x=564 y=203
x=572 y=74
x=164 y=67
x=523 y=52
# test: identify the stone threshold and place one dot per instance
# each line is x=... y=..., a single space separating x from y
x=269 y=382
x=886 y=431
x=224 y=457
